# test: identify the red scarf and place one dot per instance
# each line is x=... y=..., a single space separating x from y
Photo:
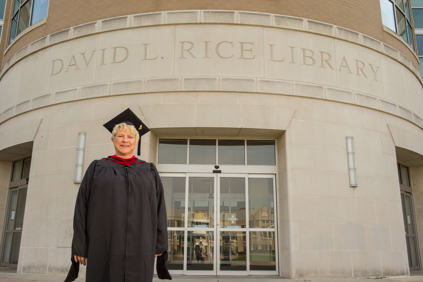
x=122 y=161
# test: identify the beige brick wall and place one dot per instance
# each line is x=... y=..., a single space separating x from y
x=361 y=15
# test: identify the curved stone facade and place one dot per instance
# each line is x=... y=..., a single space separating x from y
x=232 y=74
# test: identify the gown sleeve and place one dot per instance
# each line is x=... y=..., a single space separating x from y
x=80 y=236
x=161 y=241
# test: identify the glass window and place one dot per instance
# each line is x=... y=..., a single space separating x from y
x=233 y=251
x=24 y=17
x=401 y=25
x=232 y=202
x=176 y=250
x=1 y=28
x=388 y=17
x=16 y=5
x=173 y=151
x=421 y=64
x=418 y=18
x=405 y=180
x=20 y=209
x=199 y=250
x=261 y=199
x=231 y=152
x=26 y=167
x=26 y=13
x=39 y=11
x=410 y=36
x=174 y=189
x=262 y=252
x=261 y=152
x=17 y=170
x=202 y=151
x=400 y=4
x=13 y=27
x=2 y=6
x=407 y=10
x=419 y=39
x=417 y=3
x=12 y=210
x=201 y=202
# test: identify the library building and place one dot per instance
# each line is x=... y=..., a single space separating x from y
x=288 y=134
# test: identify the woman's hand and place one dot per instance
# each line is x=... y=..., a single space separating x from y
x=158 y=255
x=81 y=260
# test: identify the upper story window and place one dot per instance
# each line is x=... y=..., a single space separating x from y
x=417 y=6
x=396 y=16
x=21 y=169
x=221 y=151
x=25 y=14
x=2 y=6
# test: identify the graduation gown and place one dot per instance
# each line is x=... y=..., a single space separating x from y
x=120 y=223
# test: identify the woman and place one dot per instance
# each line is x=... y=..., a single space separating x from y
x=120 y=221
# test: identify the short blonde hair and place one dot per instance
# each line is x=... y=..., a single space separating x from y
x=126 y=127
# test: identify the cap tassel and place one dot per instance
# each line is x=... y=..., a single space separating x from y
x=139 y=147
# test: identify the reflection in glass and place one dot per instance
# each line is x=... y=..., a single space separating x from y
x=261 y=202
x=12 y=210
x=233 y=251
x=13 y=26
x=410 y=36
x=15 y=247
x=39 y=10
x=417 y=3
x=16 y=5
x=232 y=202
x=2 y=6
x=261 y=152
x=407 y=10
x=388 y=18
x=26 y=167
x=404 y=175
x=412 y=254
x=176 y=250
x=200 y=246
x=418 y=18
x=401 y=25
x=419 y=39
x=201 y=202
x=400 y=3
x=232 y=152
x=262 y=250
x=174 y=189
x=17 y=170
x=7 y=247
x=202 y=151
x=173 y=151
x=25 y=13
x=407 y=211
x=20 y=209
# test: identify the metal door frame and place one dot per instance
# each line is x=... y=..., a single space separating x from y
x=13 y=186
x=406 y=190
x=216 y=229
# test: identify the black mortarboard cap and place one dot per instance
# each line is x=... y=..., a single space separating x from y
x=128 y=117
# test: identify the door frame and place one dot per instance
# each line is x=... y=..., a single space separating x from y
x=403 y=191
x=216 y=229
x=15 y=185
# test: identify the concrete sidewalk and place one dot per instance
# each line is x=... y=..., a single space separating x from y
x=10 y=275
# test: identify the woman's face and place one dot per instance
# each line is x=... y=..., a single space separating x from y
x=124 y=143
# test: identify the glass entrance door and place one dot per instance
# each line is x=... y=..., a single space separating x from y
x=13 y=230
x=221 y=224
x=410 y=234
